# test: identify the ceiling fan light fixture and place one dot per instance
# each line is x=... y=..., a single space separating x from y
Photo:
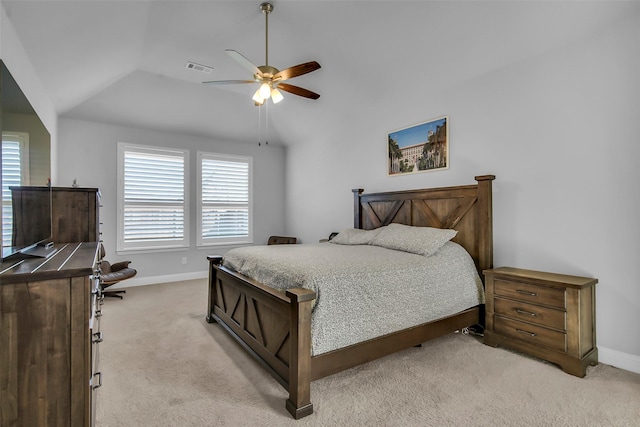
x=258 y=98
x=265 y=90
x=276 y=96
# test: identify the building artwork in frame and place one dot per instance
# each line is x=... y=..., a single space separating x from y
x=419 y=148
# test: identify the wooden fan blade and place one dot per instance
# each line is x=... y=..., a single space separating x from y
x=296 y=90
x=244 y=62
x=296 y=70
x=227 y=82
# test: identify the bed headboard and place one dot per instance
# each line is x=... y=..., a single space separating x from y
x=466 y=208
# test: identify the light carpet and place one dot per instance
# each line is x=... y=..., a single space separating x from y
x=164 y=365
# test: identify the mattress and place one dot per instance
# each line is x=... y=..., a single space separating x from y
x=365 y=291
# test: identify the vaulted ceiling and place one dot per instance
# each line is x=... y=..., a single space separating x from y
x=123 y=62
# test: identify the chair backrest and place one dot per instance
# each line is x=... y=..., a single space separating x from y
x=281 y=240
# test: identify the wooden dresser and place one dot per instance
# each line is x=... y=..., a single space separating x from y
x=49 y=333
x=546 y=315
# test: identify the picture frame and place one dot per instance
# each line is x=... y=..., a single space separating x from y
x=423 y=147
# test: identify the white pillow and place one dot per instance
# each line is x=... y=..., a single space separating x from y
x=355 y=236
x=418 y=240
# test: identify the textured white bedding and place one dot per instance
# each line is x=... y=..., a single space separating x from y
x=365 y=291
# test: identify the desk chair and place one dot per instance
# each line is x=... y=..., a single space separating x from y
x=112 y=274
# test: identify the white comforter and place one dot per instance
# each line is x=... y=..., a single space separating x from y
x=365 y=291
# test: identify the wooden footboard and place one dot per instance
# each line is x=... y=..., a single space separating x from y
x=273 y=326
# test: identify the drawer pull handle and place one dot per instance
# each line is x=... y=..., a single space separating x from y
x=528 y=313
x=95 y=386
x=531 y=334
x=531 y=294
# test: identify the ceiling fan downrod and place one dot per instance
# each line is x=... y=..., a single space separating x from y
x=266 y=8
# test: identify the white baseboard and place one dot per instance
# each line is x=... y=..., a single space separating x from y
x=154 y=280
x=626 y=361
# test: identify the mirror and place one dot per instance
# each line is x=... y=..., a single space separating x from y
x=26 y=146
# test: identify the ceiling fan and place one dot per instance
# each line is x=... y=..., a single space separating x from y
x=270 y=78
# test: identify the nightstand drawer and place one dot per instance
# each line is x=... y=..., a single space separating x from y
x=543 y=295
x=543 y=316
x=531 y=333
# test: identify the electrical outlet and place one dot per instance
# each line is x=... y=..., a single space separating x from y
x=184 y=260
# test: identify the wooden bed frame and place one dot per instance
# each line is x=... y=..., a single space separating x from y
x=275 y=326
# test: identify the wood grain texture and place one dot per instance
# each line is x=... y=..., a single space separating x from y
x=40 y=314
x=557 y=318
x=45 y=338
x=74 y=213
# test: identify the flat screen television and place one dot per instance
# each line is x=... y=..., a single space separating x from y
x=25 y=161
x=31 y=222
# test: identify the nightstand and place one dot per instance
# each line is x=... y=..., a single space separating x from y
x=546 y=315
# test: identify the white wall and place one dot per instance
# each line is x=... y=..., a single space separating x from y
x=87 y=153
x=14 y=56
x=560 y=132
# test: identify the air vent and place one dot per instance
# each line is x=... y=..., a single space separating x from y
x=198 y=67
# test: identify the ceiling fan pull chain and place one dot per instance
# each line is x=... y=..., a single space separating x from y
x=266 y=123
x=259 y=127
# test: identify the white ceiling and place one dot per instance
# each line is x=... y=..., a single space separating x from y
x=123 y=62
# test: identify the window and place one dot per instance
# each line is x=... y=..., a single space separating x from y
x=152 y=197
x=15 y=172
x=224 y=199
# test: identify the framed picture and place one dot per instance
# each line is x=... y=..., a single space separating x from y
x=420 y=148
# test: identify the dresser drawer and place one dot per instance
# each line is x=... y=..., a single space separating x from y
x=550 y=317
x=543 y=295
x=534 y=334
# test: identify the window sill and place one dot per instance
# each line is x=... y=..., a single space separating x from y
x=150 y=250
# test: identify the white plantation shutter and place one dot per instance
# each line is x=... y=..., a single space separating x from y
x=153 y=200
x=14 y=174
x=224 y=199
